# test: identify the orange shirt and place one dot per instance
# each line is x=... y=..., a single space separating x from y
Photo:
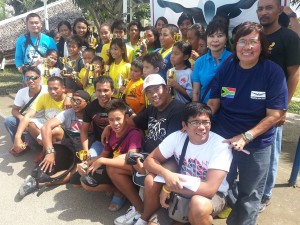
x=134 y=95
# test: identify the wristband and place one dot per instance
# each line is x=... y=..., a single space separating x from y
x=165 y=190
x=49 y=150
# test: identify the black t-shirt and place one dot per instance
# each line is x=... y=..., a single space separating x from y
x=284 y=46
x=159 y=124
x=98 y=116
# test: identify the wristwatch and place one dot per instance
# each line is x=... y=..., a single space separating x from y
x=292 y=15
x=49 y=150
x=248 y=137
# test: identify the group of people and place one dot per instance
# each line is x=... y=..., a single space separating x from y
x=212 y=105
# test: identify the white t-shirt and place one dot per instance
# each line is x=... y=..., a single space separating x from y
x=184 y=79
x=199 y=158
x=22 y=96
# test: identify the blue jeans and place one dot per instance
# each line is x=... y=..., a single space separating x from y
x=10 y=124
x=96 y=149
x=253 y=170
x=275 y=153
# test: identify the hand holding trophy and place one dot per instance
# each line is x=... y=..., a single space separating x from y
x=91 y=38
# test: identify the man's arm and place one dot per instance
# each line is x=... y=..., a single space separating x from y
x=22 y=126
x=15 y=111
x=196 y=91
x=19 y=54
x=214 y=104
x=46 y=132
x=84 y=135
x=292 y=80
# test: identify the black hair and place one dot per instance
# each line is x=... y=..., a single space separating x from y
x=98 y=59
x=185 y=16
x=49 y=52
x=28 y=68
x=116 y=104
x=120 y=25
x=55 y=78
x=234 y=30
x=66 y=23
x=138 y=63
x=247 y=28
x=198 y=28
x=217 y=25
x=30 y=15
x=75 y=39
x=186 y=49
x=284 y=20
x=121 y=44
x=104 y=79
x=162 y=19
x=156 y=36
x=137 y=24
x=91 y=50
x=81 y=20
x=52 y=33
x=194 y=109
x=155 y=59
x=172 y=28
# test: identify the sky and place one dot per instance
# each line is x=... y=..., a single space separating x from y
x=296 y=10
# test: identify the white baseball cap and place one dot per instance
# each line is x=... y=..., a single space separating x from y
x=153 y=79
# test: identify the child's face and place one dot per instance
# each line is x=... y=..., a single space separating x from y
x=73 y=49
x=202 y=49
x=135 y=73
x=177 y=57
x=159 y=25
x=119 y=33
x=166 y=39
x=192 y=39
x=88 y=57
x=149 y=69
x=104 y=34
x=81 y=29
x=134 y=32
x=184 y=27
x=57 y=37
x=64 y=31
x=115 y=51
x=98 y=66
x=118 y=121
x=52 y=59
x=149 y=36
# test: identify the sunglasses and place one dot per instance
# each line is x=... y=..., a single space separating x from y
x=30 y=78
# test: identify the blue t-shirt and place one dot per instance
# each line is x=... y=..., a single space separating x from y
x=30 y=55
x=205 y=69
x=245 y=95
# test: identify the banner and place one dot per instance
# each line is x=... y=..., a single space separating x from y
x=203 y=11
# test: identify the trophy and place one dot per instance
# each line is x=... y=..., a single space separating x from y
x=91 y=77
x=71 y=64
x=122 y=93
x=177 y=37
x=112 y=36
x=46 y=68
x=106 y=70
x=64 y=61
x=83 y=155
x=171 y=74
x=91 y=39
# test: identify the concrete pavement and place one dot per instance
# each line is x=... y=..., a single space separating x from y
x=67 y=205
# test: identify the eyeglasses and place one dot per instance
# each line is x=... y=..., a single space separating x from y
x=76 y=101
x=197 y=123
x=252 y=43
x=30 y=78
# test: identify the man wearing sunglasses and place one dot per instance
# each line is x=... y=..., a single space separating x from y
x=32 y=78
x=50 y=104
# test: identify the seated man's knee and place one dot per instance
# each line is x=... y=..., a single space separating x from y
x=200 y=206
x=150 y=185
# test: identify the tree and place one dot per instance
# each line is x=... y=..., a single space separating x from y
x=296 y=2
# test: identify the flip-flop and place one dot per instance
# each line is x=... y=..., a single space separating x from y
x=118 y=202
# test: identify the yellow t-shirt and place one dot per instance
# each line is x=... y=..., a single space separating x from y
x=114 y=72
x=134 y=95
x=49 y=105
x=106 y=47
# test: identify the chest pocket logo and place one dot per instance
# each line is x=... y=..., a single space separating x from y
x=228 y=92
x=260 y=95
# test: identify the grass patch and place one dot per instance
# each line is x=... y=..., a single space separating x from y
x=294 y=107
x=297 y=92
x=10 y=80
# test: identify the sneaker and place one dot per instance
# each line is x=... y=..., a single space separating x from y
x=29 y=186
x=141 y=222
x=225 y=213
x=130 y=218
x=265 y=201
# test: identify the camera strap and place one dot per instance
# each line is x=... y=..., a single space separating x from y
x=182 y=154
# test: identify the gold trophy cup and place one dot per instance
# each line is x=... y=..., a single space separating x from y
x=171 y=74
x=177 y=37
x=83 y=155
x=64 y=61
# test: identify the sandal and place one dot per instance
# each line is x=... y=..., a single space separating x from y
x=116 y=203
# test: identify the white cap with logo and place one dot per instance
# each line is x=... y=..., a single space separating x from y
x=153 y=79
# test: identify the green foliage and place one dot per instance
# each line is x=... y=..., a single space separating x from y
x=142 y=12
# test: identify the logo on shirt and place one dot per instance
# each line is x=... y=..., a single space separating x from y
x=258 y=95
x=271 y=46
x=183 y=80
x=228 y=92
